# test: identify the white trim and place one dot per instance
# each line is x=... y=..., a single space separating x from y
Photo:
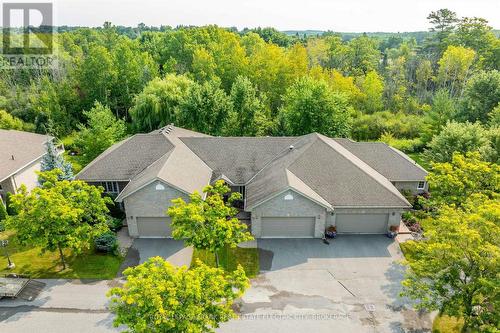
x=120 y=198
x=101 y=155
x=50 y=138
x=24 y=167
x=418 y=185
x=288 y=188
x=364 y=207
x=224 y=178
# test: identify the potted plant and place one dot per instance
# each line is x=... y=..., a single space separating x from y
x=331 y=232
x=394 y=228
x=393 y=231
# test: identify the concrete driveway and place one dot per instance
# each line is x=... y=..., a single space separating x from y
x=171 y=250
x=351 y=285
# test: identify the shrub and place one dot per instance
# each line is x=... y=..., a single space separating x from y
x=115 y=209
x=405 y=145
x=106 y=243
x=3 y=216
x=10 y=210
x=114 y=224
x=400 y=125
x=458 y=137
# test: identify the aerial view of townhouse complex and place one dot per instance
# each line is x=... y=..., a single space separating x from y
x=201 y=172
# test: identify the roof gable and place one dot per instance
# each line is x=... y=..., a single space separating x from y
x=126 y=159
x=25 y=147
x=342 y=179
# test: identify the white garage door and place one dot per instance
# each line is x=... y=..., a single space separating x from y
x=288 y=227
x=154 y=227
x=362 y=223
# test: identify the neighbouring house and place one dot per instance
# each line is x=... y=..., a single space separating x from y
x=21 y=154
x=292 y=186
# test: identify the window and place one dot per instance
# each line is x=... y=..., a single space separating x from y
x=241 y=190
x=421 y=186
x=110 y=187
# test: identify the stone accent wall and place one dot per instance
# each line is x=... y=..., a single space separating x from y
x=150 y=202
x=300 y=206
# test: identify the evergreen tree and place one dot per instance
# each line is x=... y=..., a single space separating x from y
x=53 y=160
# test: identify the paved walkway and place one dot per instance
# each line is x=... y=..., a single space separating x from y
x=171 y=250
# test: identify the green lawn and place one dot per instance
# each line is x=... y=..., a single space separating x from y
x=29 y=262
x=230 y=258
x=421 y=160
x=446 y=324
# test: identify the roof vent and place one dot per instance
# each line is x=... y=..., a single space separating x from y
x=12 y=157
x=167 y=129
x=291 y=147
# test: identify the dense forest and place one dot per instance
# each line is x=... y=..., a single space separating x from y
x=426 y=93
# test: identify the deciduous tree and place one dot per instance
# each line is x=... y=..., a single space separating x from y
x=59 y=215
x=102 y=131
x=157 y=105
x=206 y=108
x=451 y=183
x=209 y=223
x=481 y=95
x=455 y=268
x=311 y=106
x=457 y=137
x=455 y=68
x=249 y=115
x=158 y=297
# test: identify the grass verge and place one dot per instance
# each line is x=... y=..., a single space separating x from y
x=29 y=261
x=421 y=160
x=230 y=258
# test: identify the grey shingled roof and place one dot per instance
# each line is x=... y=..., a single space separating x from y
x=237 y=158
x=273 y=177
x=342 y=179
x=126 y=159
x=180 y=167
x=333 y=173
x=328 y=171
x=24 y=146
x=388 y=161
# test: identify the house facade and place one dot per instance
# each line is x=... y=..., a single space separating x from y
x=292 y=187
x=21 y=154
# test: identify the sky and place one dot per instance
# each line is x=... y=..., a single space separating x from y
x=336 y=15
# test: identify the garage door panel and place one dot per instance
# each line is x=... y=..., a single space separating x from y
x=152 y=227
x=362 y=223
x=288 y=227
